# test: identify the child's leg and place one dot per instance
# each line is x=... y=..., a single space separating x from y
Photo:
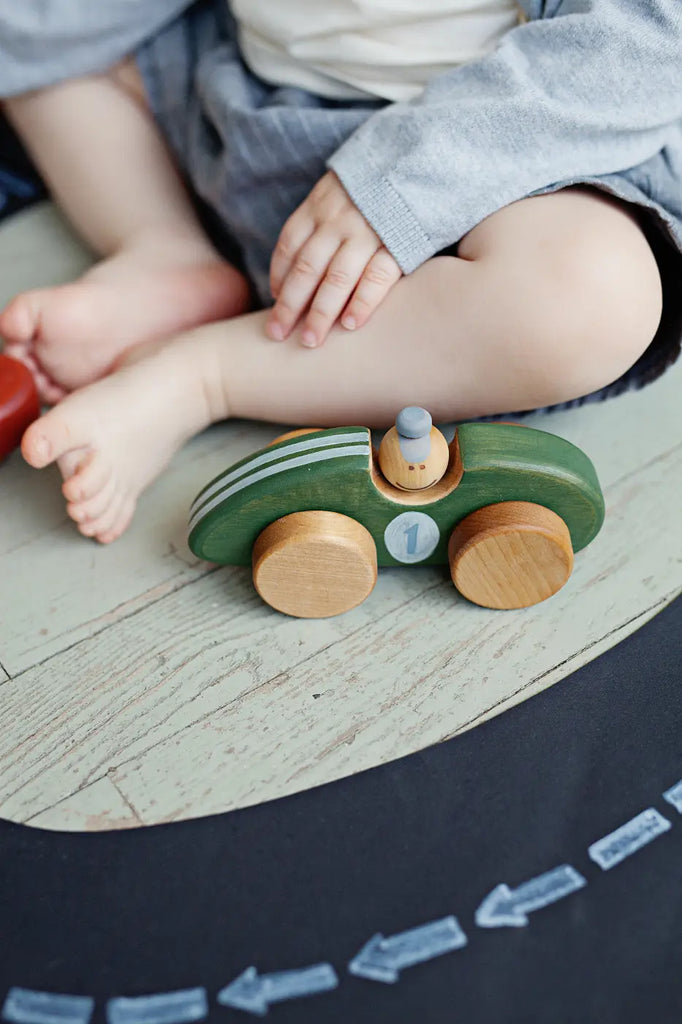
x=106 y=165
x=550 y=298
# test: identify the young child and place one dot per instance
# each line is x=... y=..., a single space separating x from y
x=472 y=206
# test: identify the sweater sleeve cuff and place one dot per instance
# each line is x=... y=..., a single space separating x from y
x=383 y=207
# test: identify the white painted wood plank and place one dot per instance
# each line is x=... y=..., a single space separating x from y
x=191 y=714
x=37 y=248
x=228 y=703
x=150 y=676
x=57 y=587
x=377 y=702
x=581 y=657
x=96 y=808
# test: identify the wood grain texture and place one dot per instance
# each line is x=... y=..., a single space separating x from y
x=220 y=702
x=299 y=432
x=56 y=588
x=149 y=677
x=428 y=670
x=314 y=564
x=510 y=555
x=96 y=808
x=164 y=689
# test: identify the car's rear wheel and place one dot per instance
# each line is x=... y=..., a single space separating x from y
x=314 y=564
x=510 y=555
x=290 y=434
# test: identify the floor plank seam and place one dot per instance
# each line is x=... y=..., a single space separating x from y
x=116 y=622
x=328 y=647
x=657 y=605
x=110 y=777
x=26 y=780
x=69 y=796
x=248 y=693
x=348 y=636
x=188 y=725
x=567 y=661
x=212 y=569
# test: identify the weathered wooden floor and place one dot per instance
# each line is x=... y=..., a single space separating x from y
x=139 y=686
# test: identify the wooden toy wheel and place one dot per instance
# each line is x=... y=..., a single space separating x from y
x=314 y=564
x=294 y=433
x=510 y=555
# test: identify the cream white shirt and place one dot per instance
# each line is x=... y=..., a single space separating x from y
x=354 y=49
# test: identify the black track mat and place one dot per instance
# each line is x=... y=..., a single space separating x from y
x=151 y=926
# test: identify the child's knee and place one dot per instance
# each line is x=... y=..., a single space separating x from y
x=584 y=310
x=601 y=306
x=580 y=282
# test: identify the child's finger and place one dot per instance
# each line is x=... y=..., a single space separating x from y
x=299 y=284
x=294 y=234
x=379 y=276
x=342 y=276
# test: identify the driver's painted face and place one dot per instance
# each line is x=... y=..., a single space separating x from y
x=413 y=475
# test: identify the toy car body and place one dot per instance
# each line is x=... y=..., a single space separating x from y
x=336 y=471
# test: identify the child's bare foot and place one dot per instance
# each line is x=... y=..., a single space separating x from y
x=73 y=334
x=114 y=437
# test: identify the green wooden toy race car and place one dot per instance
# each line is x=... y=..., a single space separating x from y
x=315 y=513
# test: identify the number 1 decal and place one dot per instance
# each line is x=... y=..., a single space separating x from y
x=411 y=537
x=412 y=532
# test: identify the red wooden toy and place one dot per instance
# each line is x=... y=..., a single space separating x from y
x=19 y=403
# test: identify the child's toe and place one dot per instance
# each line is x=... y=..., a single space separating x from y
x=95 y=507
x=120 y=524
x=19 y=319
x=102 y=523
x=87 y=480
x=36 y=446
x=55 y=434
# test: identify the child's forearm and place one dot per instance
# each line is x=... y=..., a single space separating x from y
x=589 y=89
x=103 y=158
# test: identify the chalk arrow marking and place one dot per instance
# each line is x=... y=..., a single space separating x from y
x=253 y=992
x=382 y=959
x=510 y=907
x=183 y=1007
x=674 y=796
x=25 y=1006
x=628 y=839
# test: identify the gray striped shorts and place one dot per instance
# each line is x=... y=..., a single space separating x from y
x=251 y=153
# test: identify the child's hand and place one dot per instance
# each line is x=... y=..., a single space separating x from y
x=326 y=255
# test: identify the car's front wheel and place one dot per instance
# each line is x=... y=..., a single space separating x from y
x=314 y=564
x=510 y=555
